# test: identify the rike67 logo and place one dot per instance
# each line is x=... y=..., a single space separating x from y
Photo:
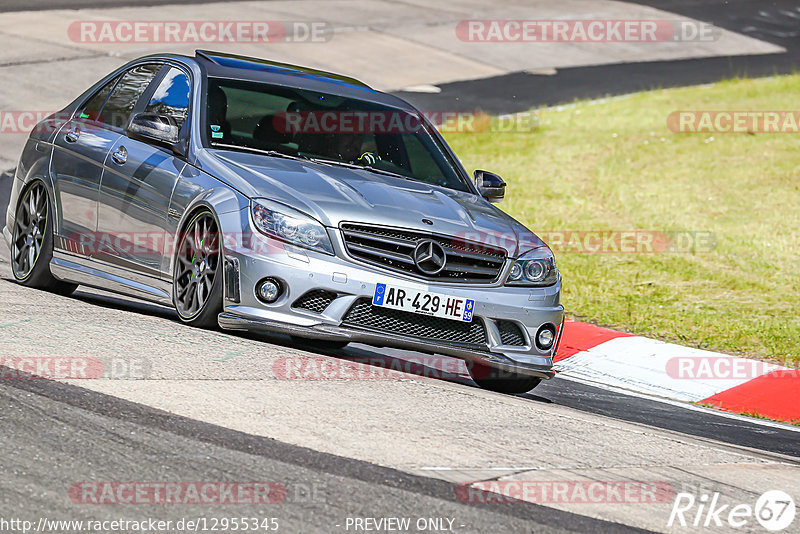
x=774 y=510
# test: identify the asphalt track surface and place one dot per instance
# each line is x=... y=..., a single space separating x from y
x=56 y=434
x=91 y=437
x=776 y=21
x=45 y=5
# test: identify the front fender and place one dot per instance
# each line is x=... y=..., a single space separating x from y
x=197 y=189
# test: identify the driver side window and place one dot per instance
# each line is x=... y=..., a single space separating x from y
x=171 y=97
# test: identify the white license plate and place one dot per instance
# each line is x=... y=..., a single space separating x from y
x=424 y=302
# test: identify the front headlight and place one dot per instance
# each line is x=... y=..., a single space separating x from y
x=534 y=268
x=290 y=225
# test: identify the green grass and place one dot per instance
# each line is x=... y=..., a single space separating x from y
x=614 y=165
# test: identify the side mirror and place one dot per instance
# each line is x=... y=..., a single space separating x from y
x=490 y=186
x=159 y=129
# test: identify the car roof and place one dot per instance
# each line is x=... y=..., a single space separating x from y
x=264 y=65
x=224 y=65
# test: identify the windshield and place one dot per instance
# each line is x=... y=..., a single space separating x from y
x=326 y=128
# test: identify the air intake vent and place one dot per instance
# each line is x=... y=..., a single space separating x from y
x=510 y=333
x=364 y=315
x=232 y=280
x=316 y=301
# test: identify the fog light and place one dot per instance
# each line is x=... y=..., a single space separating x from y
x=268 y=290
x=545 y=337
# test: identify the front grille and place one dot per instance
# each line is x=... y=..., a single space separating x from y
x=393 y=248
x=316 y=300
x=364 y=315
x=510 y=333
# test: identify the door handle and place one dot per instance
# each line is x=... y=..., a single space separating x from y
x=120 y=155
x=73 y=135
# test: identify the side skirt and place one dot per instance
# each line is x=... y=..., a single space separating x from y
x=85 y=271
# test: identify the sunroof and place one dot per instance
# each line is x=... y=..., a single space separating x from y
x=249 y=63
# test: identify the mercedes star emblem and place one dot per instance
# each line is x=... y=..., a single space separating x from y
x=430 y=257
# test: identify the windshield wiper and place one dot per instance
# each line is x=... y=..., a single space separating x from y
x=361 y=168
x=273 y=153
x=321 y=161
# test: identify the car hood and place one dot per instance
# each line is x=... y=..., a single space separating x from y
x=334 y=195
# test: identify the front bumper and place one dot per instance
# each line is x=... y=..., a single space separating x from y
x=230 y=321
x=301 y=271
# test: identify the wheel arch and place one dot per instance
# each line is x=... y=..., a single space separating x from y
x=220 y=202
x=195 y=190
x=34 y=164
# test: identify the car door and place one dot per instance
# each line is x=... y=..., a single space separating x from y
x=80 y=149
x=138 y=182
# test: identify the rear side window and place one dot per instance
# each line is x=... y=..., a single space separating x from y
x=171 y=98
x=92 y=108
x=123 y=98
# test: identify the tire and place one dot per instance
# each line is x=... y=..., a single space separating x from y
x=320 y=344
x=197 y=276
x=32 y=242
x=501 y=381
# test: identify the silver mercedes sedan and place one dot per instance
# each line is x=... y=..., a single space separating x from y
x=260 y=196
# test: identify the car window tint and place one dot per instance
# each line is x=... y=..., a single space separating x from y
x=234 y=111
x=171 y=98
x=119 y=106
x=311 y=124
x=92 y=108
x=420 y=159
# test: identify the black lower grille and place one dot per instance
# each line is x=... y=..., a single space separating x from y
x=316 y=300
x=364 y=315
x=510 y=333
